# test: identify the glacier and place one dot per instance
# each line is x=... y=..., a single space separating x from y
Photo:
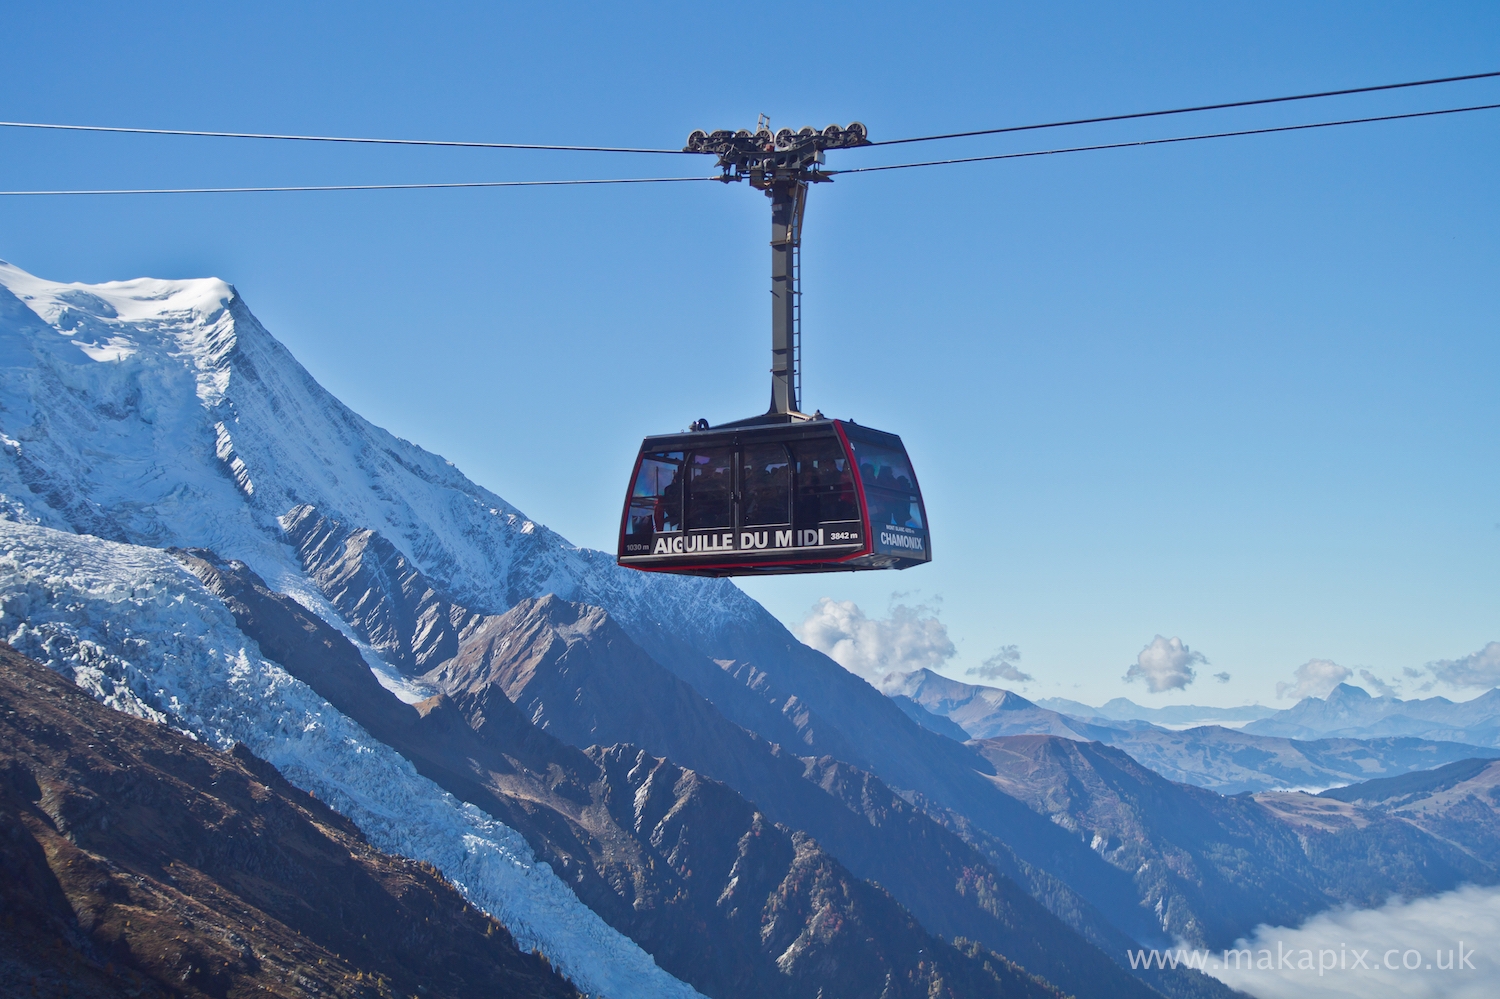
x=139 y=632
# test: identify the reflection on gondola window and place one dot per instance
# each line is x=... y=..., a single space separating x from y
x=656 y=500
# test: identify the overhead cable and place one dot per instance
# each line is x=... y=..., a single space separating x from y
x=367 y=187
x=830 y=173
x=332 y=138
x=1160 y=142
x=1200 y=107
x=638 y=149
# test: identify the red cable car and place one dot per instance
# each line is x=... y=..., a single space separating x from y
x=815 y=495
x=785 y=492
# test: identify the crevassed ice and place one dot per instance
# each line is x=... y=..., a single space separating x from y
x=140 y=633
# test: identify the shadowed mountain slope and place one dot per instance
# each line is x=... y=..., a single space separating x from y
x=721 y=896
x=138 y=858
x=833 y=713
x=1410 y=787
x=571 y=670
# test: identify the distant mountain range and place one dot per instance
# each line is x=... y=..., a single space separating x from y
x=1230 y=761
x=1124 y=709
x=1350 y=712
x=646 y=779
x=1347 y=712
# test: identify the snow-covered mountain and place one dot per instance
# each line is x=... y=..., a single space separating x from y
x=141 y=415
x=162 y=413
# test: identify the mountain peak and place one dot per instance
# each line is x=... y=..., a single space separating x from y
x=136 y=300
x=1348 y=692
x=564 y=615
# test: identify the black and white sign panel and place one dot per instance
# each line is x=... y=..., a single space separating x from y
x=749 y=541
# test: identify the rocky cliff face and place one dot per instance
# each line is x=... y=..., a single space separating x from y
x=576 y=674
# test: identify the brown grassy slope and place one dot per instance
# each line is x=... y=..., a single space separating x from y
x=134 y=861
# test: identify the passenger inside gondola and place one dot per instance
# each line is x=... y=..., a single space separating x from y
x=890 y=487
x=766 y=486
x=825 y=483
x=710 y=488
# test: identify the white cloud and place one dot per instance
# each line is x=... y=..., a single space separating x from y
x=910 y=638
x=1479 y=669
x=1433 y=928
x=1314 y=678
x=1222 y=677
x=1002 y=666
x=1376 y=684
x=1166 y=664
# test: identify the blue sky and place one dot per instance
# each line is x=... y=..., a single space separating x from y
x=1242 y=393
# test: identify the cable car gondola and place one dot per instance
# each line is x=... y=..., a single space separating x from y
x=784 y=492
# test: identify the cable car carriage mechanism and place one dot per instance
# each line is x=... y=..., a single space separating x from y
x=784 y=492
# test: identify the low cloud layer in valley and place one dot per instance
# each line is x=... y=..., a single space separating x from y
x=1402 y=947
